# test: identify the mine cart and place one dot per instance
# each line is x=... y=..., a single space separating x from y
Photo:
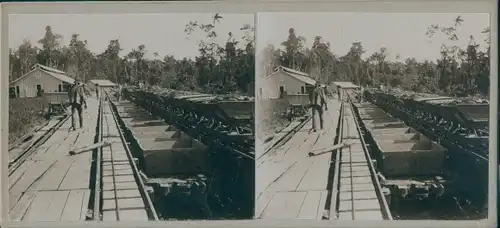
x=473 y=116
x=471 y=123
x=202 y=134
x=58 y=102
x=298 y=105
x=237 y=113
x=462 y=129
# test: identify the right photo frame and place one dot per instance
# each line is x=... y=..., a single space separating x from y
x=372 y=116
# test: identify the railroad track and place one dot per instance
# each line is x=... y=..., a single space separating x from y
x=225 y=127
x=401 y=153
x=119 y=190
x=116 y=189
x=286 y=137
x=20 y=158
x=356 y=192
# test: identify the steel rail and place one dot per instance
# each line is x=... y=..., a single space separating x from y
x=98 y=164
x=378 y=187
x=286 y=137
x=334 y=204
x=347 y=103
x=142 y=187
x=21 y=158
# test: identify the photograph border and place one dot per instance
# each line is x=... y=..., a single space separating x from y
x=254 y=7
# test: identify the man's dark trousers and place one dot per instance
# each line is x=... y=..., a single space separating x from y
x=76 y=107
x=319 y=109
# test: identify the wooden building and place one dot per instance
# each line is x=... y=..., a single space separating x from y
x=41 y=79
x=285 y=80
x=346 y=86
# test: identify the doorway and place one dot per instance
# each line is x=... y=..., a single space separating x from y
x=38 y=90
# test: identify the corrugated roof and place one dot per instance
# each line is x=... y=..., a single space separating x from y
x=301 y=76
x=346 y=85
x=61 y=75
x=290 y=70
x=102 y=82
x=46 y=68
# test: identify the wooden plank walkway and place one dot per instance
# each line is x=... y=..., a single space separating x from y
x=122 y=200
x=19 y=149
x=357 y=196
x=291 y=185
x=51 y=185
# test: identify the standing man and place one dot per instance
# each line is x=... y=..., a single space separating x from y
x=317 y=99
x=97 y=90
x=77 y=100
x=119 y=92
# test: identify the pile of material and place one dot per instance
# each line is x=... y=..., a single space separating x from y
x=410 y=95
x=170 y=93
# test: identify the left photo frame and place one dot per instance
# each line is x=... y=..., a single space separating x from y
x=130 y=117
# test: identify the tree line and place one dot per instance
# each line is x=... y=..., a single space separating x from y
x=218 y=69
x=459 y=71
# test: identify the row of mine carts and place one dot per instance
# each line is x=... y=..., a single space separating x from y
x=228 y=121
x=458 y=122
x=458 y=137
x=225 y=125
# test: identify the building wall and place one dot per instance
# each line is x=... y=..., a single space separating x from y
x=28 y=84
x=270 y=86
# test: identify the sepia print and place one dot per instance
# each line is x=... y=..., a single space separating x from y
x=249 y=114
x=372 y=116
x=131 y=117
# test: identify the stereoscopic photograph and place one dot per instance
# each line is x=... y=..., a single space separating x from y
x=131 y=117
x=372 y=116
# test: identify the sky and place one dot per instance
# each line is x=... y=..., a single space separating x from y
x=161 y=33
x=402 y=34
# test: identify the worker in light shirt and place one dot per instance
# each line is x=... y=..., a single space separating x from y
x=317 y=102
x=119 y=92
x=78 y=102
